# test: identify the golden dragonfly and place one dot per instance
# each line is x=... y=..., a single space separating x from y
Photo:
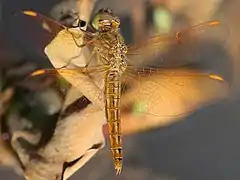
x=115 y=61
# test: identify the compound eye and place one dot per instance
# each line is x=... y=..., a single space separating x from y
x=106 y=10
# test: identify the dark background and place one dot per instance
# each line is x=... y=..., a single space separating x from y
x=205 y=146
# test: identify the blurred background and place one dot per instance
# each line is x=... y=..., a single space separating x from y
x=203 y=146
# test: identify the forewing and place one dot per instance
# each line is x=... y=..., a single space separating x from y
x=47 y=23
x=33 y=30
x=157 y=47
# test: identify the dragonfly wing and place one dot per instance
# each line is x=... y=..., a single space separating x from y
x=47 y=23
x=158 y=46
x=81 y=80
x=171 y=93
x=54 y=34
x=35 y=29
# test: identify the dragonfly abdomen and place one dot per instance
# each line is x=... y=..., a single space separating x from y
x=113 y=93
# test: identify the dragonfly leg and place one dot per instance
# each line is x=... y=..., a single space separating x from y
x=102 y=59
x=78 y=37
x=90 y=58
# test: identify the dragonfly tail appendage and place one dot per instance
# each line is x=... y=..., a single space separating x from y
x=116 y=144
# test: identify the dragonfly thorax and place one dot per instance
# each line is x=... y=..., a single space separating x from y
x=118 y=64
x=118 y=50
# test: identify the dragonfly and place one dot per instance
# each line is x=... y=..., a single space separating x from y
x=119 y=67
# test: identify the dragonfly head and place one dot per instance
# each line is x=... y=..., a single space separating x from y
x=105 y=20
